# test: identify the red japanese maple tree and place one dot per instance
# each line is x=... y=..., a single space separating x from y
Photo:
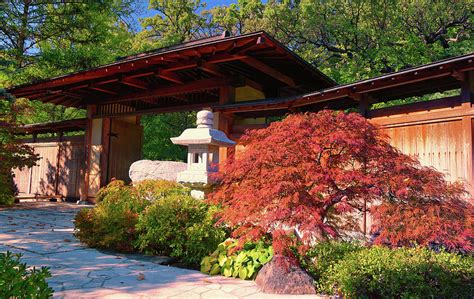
x=317 y=172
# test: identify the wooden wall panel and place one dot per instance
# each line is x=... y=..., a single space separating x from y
x=40 y=180
x=438 y=144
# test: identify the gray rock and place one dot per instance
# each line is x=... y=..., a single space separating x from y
x=155 y=170
x=281 y=276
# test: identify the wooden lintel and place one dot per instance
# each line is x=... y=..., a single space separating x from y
x=181 y=108
x=265 y=68
x=170 y=76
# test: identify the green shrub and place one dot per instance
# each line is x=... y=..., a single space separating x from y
x=157 y=189
x=179 y=226
x=380 y=272
x=111 y=223
x=112 y=188
x=7 y=188
x=324 y=255
x=244 y=263
x=16 y=281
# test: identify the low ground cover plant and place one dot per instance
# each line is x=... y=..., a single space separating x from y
x=153 y=216
x=243 y=263
x=381 y=272
x=17 y=281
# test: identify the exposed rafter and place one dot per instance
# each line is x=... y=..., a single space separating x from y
x=172 y=90
x=170 y=76
x=265 y=68
x=134 y=83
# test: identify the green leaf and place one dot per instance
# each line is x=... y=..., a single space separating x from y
x=215 y=269
x=243 y=273
x=222 y=260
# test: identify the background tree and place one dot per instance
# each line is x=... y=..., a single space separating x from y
x=40 y=39
x=13 y=154
x=175 y=22
x=157 y=131
x=316 y=172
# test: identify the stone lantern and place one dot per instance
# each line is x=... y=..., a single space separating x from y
x=203 y=145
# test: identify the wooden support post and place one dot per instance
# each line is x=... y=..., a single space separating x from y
x=91 y=109
x=58 y=164
x=104 y=156
x=224 y=122
x=467 y=91
x=363 y=105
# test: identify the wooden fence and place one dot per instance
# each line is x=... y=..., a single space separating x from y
x=58 y=173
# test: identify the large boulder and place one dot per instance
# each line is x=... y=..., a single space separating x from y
x=282 y=276
x=155 y=170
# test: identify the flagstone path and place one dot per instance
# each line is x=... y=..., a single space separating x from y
x=43 y=233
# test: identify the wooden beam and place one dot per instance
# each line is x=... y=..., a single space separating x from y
x=169 y=90
x=211 y=68
x=266 y=69
x=170 y=76
x=181 y=108
x=460 y=76
x=134 y=83
x=249 y=45
x=102 y=89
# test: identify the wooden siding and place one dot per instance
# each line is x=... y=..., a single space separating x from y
x=440 y=138
x=58 y=172
x=435 y=144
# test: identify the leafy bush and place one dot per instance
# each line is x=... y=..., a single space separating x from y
x=7 y=194
x=179 y=226
x=111 y=223
x=112 y=188
x=380 y=272
x=156 y=189
x=324 y=255
x=244 y=263
x=16 y=281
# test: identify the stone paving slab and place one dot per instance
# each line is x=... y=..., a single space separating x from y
x=43 y=233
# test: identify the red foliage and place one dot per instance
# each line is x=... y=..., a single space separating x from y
x=313 y=172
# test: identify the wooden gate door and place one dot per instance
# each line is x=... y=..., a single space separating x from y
x=126 y=139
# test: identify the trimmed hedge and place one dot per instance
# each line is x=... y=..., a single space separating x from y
x=381 y=272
